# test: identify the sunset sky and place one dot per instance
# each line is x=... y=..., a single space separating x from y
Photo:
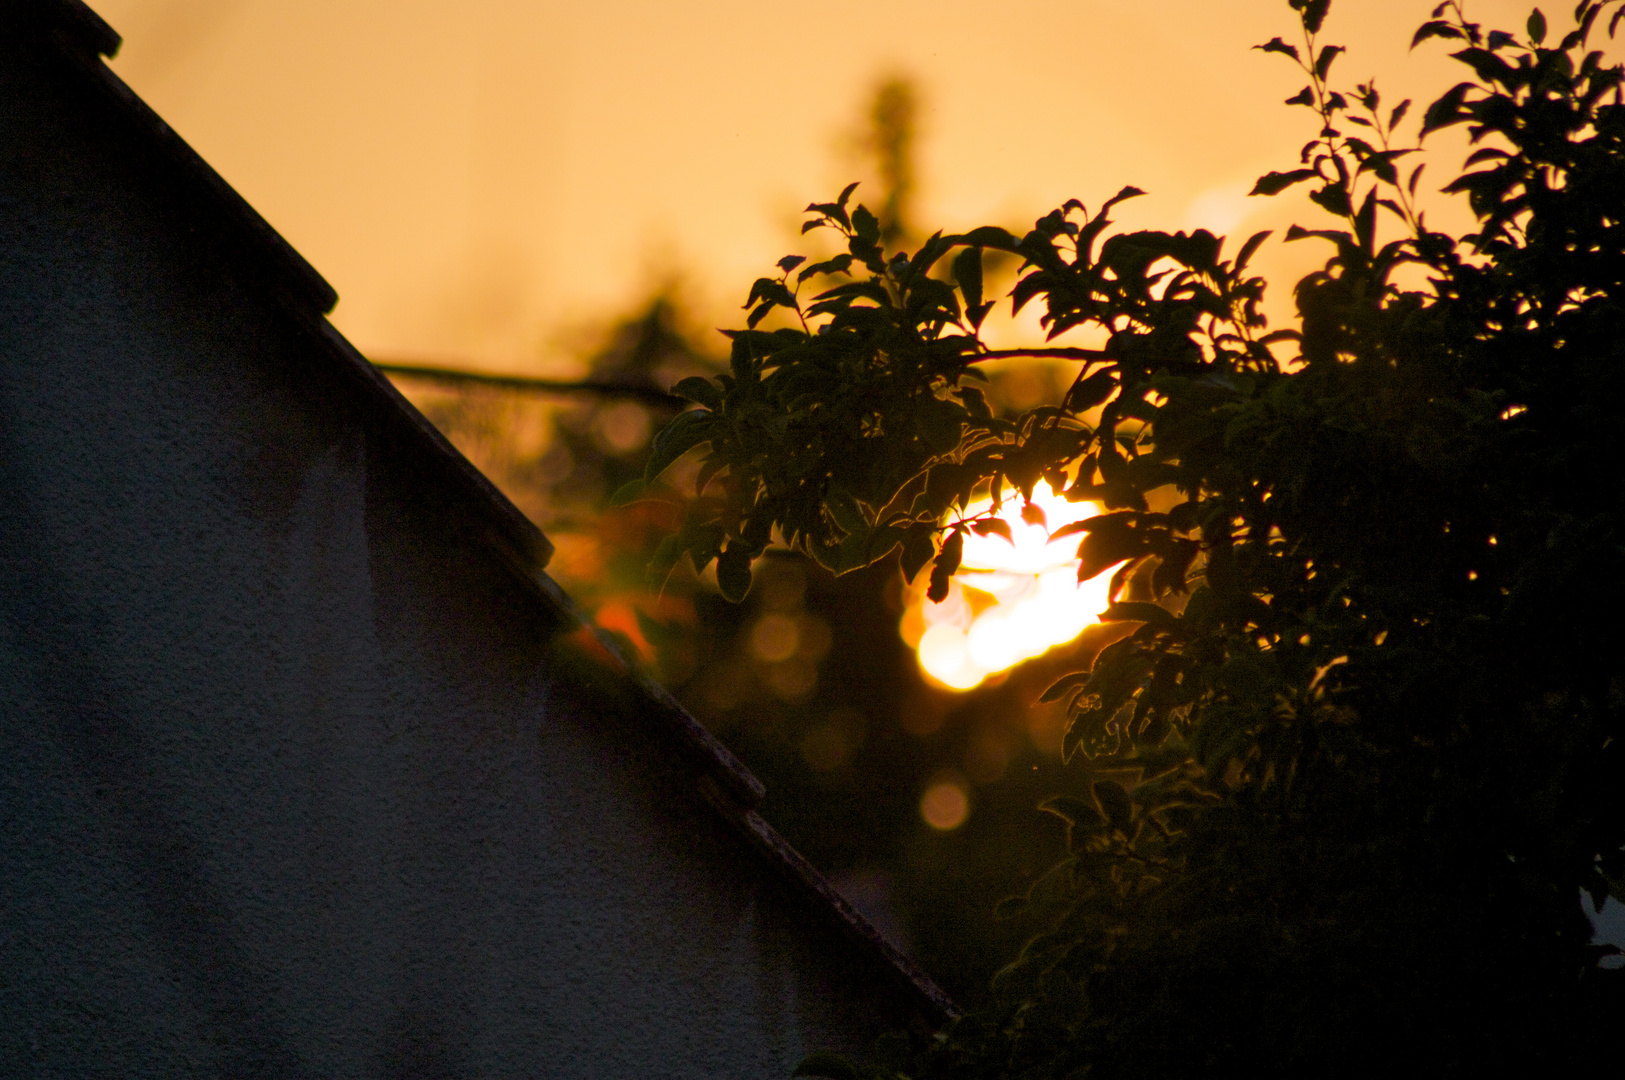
x=482 y=179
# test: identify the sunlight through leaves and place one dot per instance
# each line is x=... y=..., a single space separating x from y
x=1009 y=601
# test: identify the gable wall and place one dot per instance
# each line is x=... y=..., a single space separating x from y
x=294 y=781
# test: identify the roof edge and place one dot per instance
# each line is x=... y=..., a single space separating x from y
x=937 y=1008
x=735 y=792
x=71 y=20
x=81 y=37
x=85 y=38
x=703 y=750
x=521 y=542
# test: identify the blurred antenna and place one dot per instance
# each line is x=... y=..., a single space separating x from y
x=463 y=377
x=633 y=363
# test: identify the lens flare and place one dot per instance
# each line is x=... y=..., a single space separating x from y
x=1009 y=602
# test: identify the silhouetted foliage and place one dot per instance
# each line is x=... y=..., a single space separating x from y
x=1334 y=796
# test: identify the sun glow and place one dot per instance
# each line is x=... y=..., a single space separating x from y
x=1009 y=602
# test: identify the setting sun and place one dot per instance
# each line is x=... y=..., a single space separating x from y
x=1009 y=602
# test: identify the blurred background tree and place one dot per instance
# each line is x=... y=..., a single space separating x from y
x=894 y=120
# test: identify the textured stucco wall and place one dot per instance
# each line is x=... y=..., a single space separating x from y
x=294 y=781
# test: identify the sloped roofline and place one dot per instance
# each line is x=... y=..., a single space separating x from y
x=84 y=39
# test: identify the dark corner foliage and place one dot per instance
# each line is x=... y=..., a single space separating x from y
x=1337 y=794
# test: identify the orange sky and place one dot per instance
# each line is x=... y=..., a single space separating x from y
x=478 y=177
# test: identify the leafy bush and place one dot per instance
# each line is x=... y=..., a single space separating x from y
x=1340 y=788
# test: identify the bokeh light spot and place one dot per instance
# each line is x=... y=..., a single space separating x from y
x=775 y=637
x=623 y=427
x=945 y=805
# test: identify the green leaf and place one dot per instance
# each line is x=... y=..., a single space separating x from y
x=993 y=525
x=686 y=431
x=843 y=507
x=865 y=225
x=1536 y=26
x=1091 y=391
x=1276 y=45
x=1254 y=242
x=667 y=552
x=1115 y=805
x=840 y=264
x=1323 y=62
x=1334 y=198
x=990 y=236
x=702 y=541
x=940 y=424
x=1136 y=612
x=709 y=468
x=879 y=543
x=1062 y=686
x=700 y=390
x=1437 y=28
x=1107 y=544
x=975 y=403
x=826 y=555
x=1314 y=13
x=944 y=485
x=967 y=267
x=770 y=291
x=733 y=573
x=1447 y=110
x=1276 y=182
x=629 y=492
x=1415 y=178
x=953 y=550
x=841 y=200
x=1129 y=191
x=918 y=548
x=851 y=553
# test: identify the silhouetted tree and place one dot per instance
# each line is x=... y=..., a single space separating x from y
x=1336 y=792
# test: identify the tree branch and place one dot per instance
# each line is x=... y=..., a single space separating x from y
x=1041 y=354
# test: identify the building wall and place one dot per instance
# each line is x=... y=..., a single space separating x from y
x=294 y=779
